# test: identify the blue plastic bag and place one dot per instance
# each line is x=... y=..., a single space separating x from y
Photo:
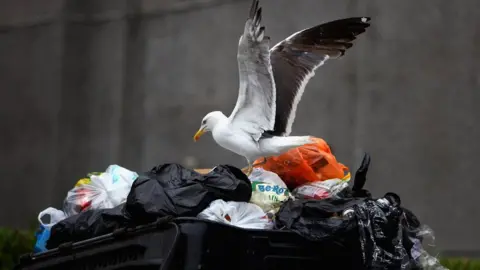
x=42 y=235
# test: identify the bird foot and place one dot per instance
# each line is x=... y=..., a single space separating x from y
x=260 y=163
x=248 y=170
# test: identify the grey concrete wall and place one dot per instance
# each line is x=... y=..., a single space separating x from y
x=85 y=84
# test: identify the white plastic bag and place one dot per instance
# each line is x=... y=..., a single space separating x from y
x=104 y=190
x=422 y=256
x=320 y=189
x=240 y=214
x=47 y=218
x=119 y=173
x=268 y=190
x=54 y=216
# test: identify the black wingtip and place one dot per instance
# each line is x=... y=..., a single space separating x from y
x=258 y=17
x=365 y=19
x=348 y=28
x=332 y=38
x=253 y=9
x=361 y=20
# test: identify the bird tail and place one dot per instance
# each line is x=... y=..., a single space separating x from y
x=278 y=145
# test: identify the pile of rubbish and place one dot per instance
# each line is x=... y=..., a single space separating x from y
x=306 y=191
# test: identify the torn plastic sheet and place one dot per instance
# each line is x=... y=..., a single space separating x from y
x=420 y=256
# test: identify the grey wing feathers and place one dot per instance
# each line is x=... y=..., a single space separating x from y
x=295 y=59
x=255 y=108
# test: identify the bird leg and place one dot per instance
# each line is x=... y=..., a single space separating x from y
x=248 y=170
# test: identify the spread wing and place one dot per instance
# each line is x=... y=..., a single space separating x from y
x=254 y=112
x=295 y=59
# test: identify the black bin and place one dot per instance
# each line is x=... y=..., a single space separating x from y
x=194 y=244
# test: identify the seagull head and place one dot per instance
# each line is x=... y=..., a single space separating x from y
x=208 y=123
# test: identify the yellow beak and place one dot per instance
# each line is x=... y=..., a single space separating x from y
x=199 y=133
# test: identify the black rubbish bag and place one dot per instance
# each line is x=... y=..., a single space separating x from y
x=380 y=230
x=87 y=224
x=359 y=180
x=168 y=190
x=316 y=220
x=380 y=225
x=375 y=227
x=172 y=190
x=412 y=229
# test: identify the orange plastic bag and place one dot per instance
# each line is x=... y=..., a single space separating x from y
x=304 y=164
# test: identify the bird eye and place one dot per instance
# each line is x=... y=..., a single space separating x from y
x=204 y=121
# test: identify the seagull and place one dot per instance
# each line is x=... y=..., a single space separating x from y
x=272 y=82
